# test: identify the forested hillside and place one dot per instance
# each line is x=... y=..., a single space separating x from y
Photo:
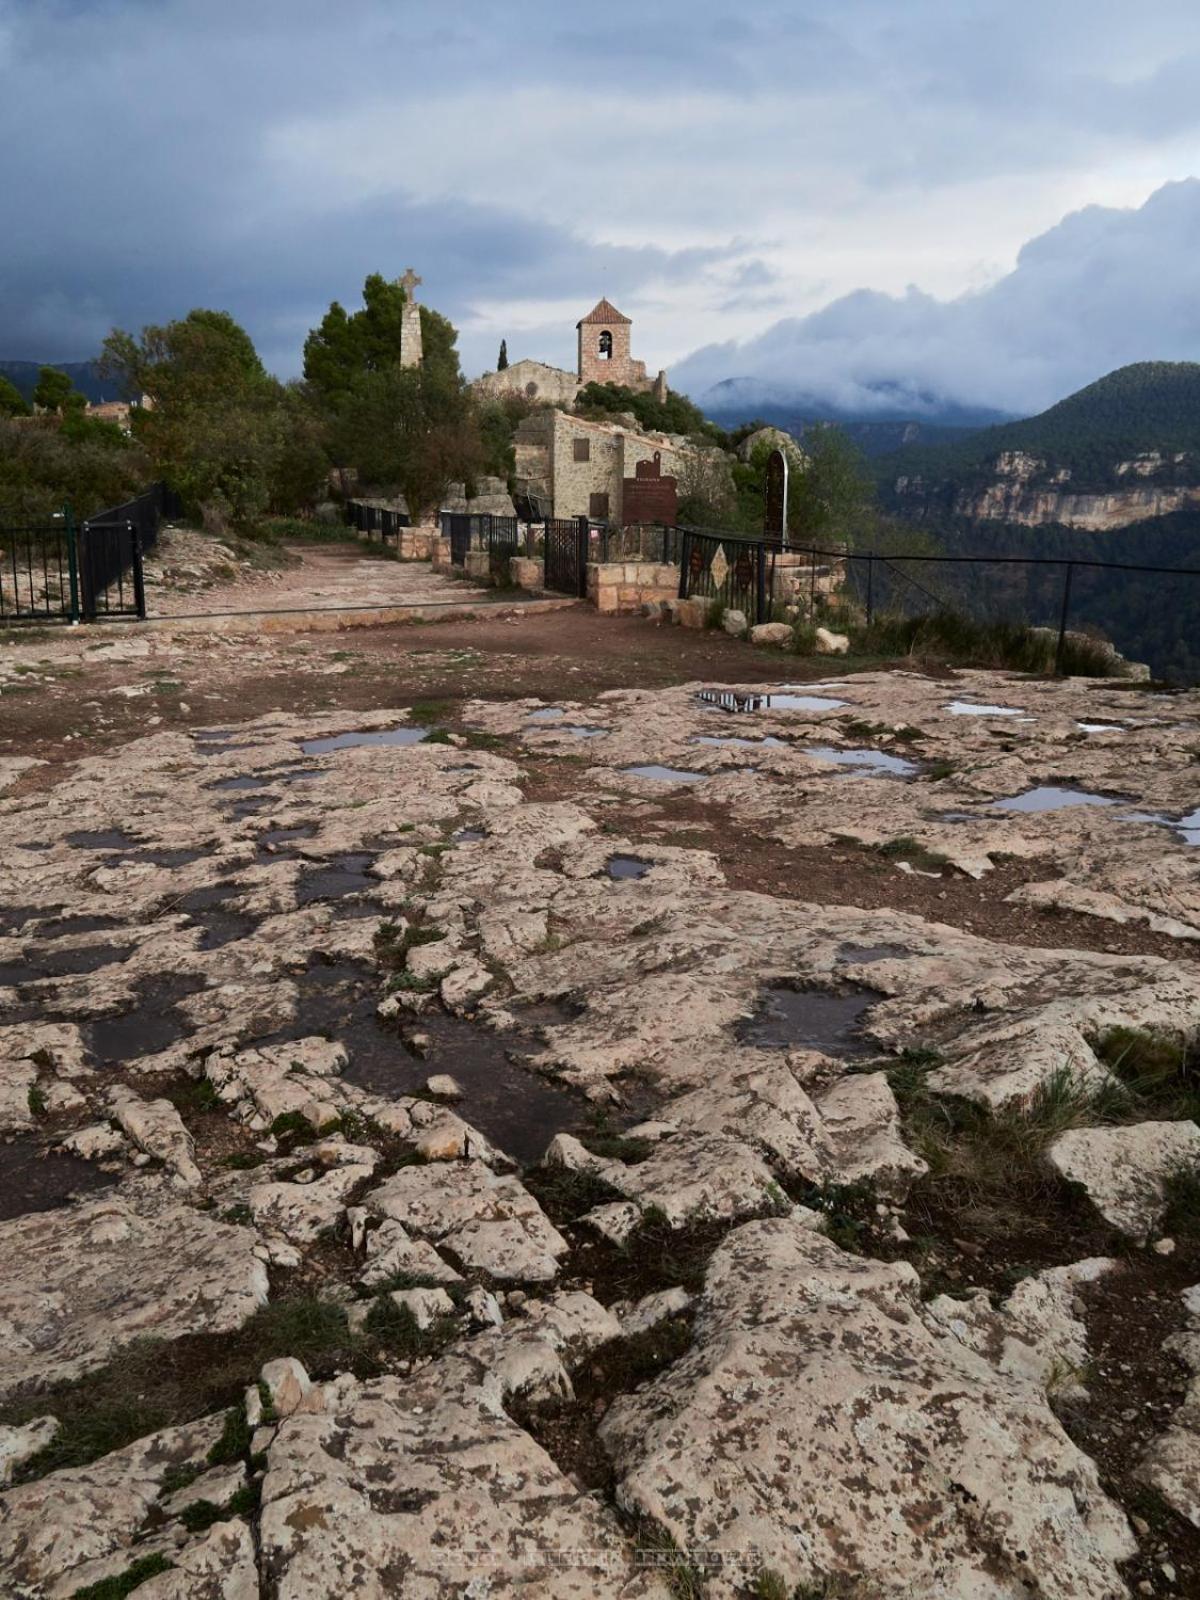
x=1153 y=406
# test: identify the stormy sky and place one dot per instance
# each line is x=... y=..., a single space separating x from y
x=985 y=201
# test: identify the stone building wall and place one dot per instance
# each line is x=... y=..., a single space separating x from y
x=550 y=468
x=534 y=380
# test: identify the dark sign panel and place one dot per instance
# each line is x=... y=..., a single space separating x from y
x=775 y=511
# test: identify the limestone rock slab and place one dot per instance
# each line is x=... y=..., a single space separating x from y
x=822 y=1417
x=1124 y=1170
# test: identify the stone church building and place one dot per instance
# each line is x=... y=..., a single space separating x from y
x=605 y=356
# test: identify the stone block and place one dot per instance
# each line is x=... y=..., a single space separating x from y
x=776 y=634
x=831 y=644
x=527 y=573
x=734 y=622
x=477 y=564
x=693 y=613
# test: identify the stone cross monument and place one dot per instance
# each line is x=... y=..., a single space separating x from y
x=411 y=352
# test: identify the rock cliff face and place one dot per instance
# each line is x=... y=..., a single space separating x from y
x=1028 y=490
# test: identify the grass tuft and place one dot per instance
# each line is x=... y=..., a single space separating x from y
x=123 y=1583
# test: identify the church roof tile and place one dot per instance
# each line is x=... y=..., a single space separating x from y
x=603 y=311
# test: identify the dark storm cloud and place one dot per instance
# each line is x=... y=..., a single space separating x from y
x=263 y=157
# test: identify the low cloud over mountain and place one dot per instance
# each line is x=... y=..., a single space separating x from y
x=1104 y=287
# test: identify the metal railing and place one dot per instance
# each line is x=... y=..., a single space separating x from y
x=366 y=517
x=61 y=573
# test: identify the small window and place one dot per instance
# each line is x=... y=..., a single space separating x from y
x=605 y=346
x=531 y=389
x=598 y=507
x=583 y=449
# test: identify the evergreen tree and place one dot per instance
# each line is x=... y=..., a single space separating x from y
x=502 y=363
x=12 y=401
x=54 y=389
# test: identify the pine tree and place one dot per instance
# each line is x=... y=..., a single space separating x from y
x=503 y=361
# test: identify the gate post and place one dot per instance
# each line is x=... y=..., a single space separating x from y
x=1061 y=646
x=72 y=564
x=581 y=556
x=760 y=585
x=685 y=561
x=87 y=578
x=139 y=579
x=870 y=590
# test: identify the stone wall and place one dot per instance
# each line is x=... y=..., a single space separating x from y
x=533 y=379
x=546 y=468
x=619 y=586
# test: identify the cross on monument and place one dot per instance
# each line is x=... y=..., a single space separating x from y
x=409 y=284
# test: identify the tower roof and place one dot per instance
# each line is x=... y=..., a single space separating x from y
x=603 y=311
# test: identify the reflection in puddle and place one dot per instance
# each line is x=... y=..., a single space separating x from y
x=583 y=730
x=547 y=714
x=1100 y=727
x=628 y=867
x=33 y=1180
x=1051 y=798
x=741 y=700
x=152 y=1023
x=744 y=744
x=665 y=774
x=966 y=708
x=1187 y=827
x=809 y=1019
x=468 y=836
x=347 y=741
x=272 y=838
x=872 y=760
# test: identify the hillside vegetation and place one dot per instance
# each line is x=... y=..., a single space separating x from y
x=1150 y=406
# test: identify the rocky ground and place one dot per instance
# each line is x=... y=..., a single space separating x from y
x=445 y=1157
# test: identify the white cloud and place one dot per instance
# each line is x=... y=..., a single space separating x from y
x=1105 y=287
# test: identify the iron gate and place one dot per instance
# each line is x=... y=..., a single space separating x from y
x=566 y=555
x=736 y=572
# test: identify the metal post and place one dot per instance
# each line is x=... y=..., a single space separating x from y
x=581 y=556
x=760 y=586
x=870 y=590
x=139 y=581
x=812 y=587
x=685 y=561
x=1061 y=648
x=72 y=564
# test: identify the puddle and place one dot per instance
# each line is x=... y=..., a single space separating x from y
x=218 y=926
x=1051 y=798
x=102 y=839
x=341 y=876
x=347 y=741
x=965 y=708
x=627 y=867
x=242 y=781
x=151 y=1023
x=62 y=926
x=862 y=955
x=468 y=836
x=31 y=1180
x=744 y=744
x=956 y=816
x=1187 y=827
x=809 y=1019
x=171 y=858
x=510 y=1105
x=665 y=774
x=250 y=806
x=14 y=918
x=62 y=963
x=547 y=714
x=736 y=700
x=584 y=730
x=877 y=761
x=1100 y=727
